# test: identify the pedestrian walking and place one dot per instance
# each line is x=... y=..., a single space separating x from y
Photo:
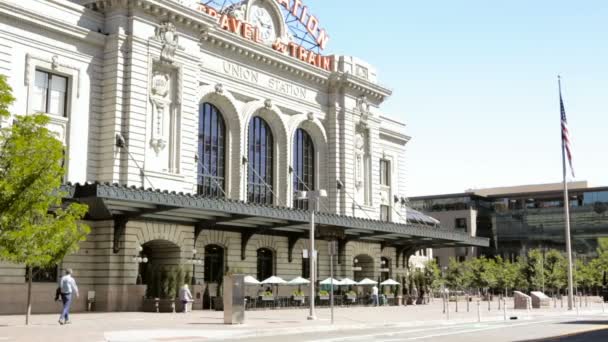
x=68 y=287
x=186 y=297
x=375 y=295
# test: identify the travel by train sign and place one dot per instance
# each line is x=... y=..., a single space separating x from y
x=255 y=21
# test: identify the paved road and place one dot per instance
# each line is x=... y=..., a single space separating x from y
x=557 y=329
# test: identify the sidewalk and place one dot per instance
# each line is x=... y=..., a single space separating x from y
x=208 y=325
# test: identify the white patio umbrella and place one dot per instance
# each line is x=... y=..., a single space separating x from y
x=348 y=282
x=367 y=282
x=249 y=280
x=298 y=281
x=274 y=280
x=328 y=282
x=389 y=282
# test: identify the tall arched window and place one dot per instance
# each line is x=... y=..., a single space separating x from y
x=214 y=263
x=265 y=264
x=260 y=162
x=303 y=166
x=211 y=151
x=385 y=268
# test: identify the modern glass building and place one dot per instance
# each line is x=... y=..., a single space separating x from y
x=517 y=219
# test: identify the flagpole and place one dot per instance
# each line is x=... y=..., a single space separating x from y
x=566 y=211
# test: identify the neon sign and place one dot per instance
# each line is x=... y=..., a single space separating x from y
x=250 y=32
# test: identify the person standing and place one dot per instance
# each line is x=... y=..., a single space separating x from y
x=375 y=295
x=185 y=296
x=68 y=287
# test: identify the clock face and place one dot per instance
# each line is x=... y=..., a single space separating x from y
x=262 y=19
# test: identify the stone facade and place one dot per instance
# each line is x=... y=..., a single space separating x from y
x=141 y=69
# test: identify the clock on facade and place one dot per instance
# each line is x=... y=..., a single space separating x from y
x=261 y=18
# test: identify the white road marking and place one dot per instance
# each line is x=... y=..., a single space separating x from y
x=476 y=327
x=459 y=332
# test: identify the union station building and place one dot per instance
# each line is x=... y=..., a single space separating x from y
x=191 y=130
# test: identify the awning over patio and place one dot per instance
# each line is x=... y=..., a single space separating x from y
x=121 y=204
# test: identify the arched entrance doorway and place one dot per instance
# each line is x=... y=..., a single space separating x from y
x=363 y=267
x=162 y=273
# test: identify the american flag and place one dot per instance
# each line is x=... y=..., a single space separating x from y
x=565 y=132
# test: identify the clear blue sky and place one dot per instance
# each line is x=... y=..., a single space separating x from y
x=476 y=83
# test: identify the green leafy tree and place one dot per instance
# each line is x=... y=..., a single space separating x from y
x=455 y=275
x=36 y=228
x=432 y=274
x=536 y=269
x=555 y=266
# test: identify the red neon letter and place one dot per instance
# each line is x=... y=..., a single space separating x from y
x=296 y=6
x=322 y=39
x=304 y=14
x=285 y=3
x=313 y=25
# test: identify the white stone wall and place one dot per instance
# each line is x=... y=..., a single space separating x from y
x=111 y=54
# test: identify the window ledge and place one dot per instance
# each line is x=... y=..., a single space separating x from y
x=166 y=175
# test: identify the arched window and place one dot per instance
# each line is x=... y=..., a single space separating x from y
x=260 y=162
x=265 y=264
x=214 y=263
x=303 y=166
x=211 y=151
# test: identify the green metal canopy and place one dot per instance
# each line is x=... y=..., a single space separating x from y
x=122 y=203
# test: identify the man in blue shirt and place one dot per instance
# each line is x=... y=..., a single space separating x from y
x=68 y=287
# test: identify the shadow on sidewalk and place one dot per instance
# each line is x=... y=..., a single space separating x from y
x=590 y=336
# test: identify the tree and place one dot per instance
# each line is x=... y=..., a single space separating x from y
x=432 y=274
x=536 y=269
x=455 y=275
x=36 y=228
x=555 y=267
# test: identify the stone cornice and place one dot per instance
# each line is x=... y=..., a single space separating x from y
x=359 y=86
x=39 y=19
x=206 y=27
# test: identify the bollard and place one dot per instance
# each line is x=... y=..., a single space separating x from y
x=443 y=300
x=456 y=302
x=173 y=307
x=467 y=299
x=562 y=301
x=504 y=308
x=489 y=304
x=478 y=311
x=586 y=301
x=603 y=307
x=447 y=308
x=499 y=301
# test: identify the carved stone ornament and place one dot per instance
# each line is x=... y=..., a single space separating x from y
x=166 y=33
x=160 y=85
x=310 y=116
x=363 y=107
x=54 y=62
x=268 y=104
x=219 y=88
x=158 y=145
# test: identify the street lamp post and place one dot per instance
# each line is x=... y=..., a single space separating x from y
x=313 y=203
x=139 y=259
x=194 y=262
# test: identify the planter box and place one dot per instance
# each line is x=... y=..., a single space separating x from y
x=217 y=303
x=390 y=296
x=267 y=299
x=299 y=298
x=324 y=297
x=351 y=297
